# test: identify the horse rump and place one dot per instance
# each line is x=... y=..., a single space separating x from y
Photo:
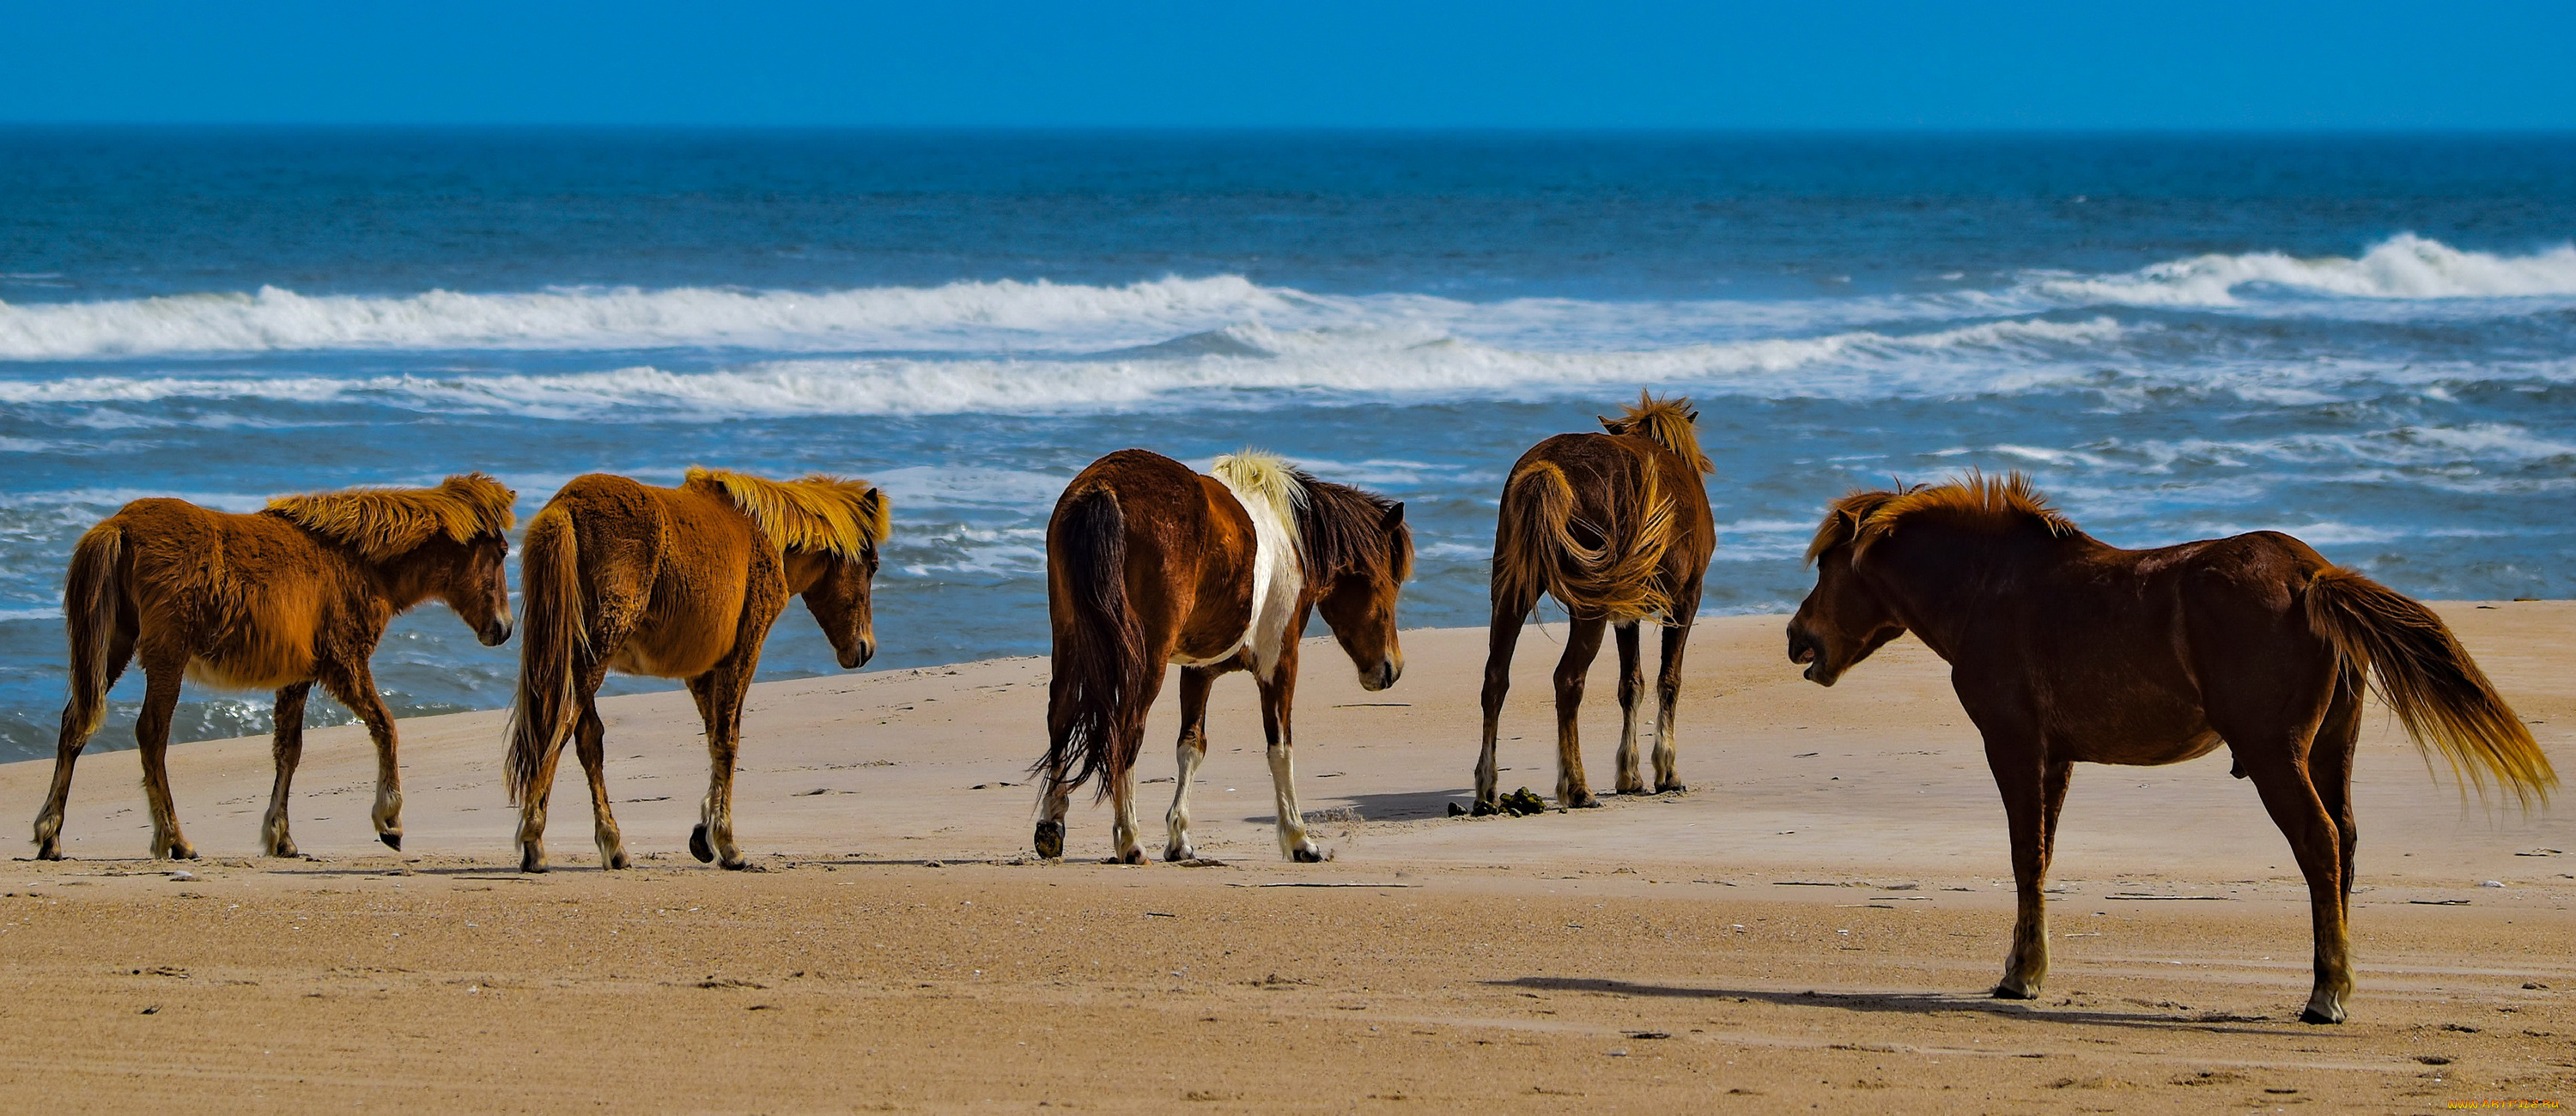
x=1536 y=549
x=1099 y=660
x=2422 y=672
x=553 y=640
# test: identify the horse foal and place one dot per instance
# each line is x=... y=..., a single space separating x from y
x=675 y=583
x=296 y=594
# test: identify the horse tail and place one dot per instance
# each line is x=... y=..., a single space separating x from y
x=553 y=641
x=1536 y=548
x=2422 y=672
x=93 y=601
x=1094 y=719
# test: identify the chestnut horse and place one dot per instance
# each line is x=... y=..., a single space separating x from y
x=278 y=600
x=675 y=583
x=1616 y=527
x=2062 y=649
x=1149 y=563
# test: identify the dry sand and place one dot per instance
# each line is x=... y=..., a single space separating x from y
x=1810 y=928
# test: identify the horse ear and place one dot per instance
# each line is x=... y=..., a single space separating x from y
x=1393 y=518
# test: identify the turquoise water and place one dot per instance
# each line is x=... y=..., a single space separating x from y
x=2369 y=342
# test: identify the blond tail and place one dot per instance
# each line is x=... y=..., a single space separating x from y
x=554 y=642
x=2437 y=691
x=1535 y=548
x=93 y=599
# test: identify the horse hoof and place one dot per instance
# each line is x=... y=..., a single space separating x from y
x=283 y=849
x=1671 y=788
x=531 y=859
x=1049 y=840
x=1131 y=856
x=49 y=852
x=1180 y=854
x=698 y=846
x=1632 y=788
x=1483 y=810
x=2312 y=1015
x=392 y=840
x=183 y=851
x=2011 y=991
x=1306 y=856
x=1587 y=802
x=736 y=864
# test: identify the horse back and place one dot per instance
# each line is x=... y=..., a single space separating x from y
x=245 y=601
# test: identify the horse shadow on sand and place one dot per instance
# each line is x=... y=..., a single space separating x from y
x=1922 y=1003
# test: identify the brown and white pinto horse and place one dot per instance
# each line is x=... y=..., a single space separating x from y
x=1616 y=527
x=2065 y=649
x=278 y=600
x=1149 y=563
x=675 y=583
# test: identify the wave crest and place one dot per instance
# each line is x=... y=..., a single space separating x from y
x=2405 y=266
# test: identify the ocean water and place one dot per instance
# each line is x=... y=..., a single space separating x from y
x=2369 y=342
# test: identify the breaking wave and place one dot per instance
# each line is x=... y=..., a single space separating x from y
x=2402 y=267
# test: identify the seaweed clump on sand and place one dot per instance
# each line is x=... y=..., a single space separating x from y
x=1519 y=803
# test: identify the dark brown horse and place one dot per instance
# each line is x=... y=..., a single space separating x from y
x=1616 y=527
x=1149 y=563
x=2064 y=649
x=675 y=583
x=278 y=600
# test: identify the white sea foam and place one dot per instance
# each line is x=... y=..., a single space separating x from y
x=1373 y=362
x=2402 y=267
x=985 y=315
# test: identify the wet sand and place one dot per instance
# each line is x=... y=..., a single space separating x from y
x=1813 y=924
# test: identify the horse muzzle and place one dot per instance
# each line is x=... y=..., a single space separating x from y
x=493 y=634
x=1806 y=648
x=858 y=657
x=1384 y=676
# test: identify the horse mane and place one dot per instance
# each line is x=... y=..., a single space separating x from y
x=1979 y=500
x=381 y=523
x=816 y=514
x=1669 y=422
x=1337 y=525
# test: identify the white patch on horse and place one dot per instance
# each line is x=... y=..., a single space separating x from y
x=1270 y=494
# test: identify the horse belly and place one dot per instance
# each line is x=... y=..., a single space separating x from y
x=250 y=672
x=670 y=658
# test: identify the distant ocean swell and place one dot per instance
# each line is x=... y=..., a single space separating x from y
x=1062 y=318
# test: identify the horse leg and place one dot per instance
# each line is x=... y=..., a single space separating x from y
x=590 y=741
x=720 y=694
x=1277 y=693
x=1668 y=698
x=287 y=746
x=1632 y=685
x=81 y=714
x=2026 y=781
x=1501 y=637
x=152 y=735
x=353 y=685
x=2330 y=769
x=1192 y=749
x=2283 y=781
x=1053 y=798
x=1582 y=642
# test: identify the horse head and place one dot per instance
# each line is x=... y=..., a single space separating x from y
x=1843 y=618
x=1358 y=598
x=838 y=590
x=477 y=586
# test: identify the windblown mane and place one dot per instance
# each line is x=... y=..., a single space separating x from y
x=1978 y=500
x=1338 y=533
x=1669 y=422
x=816 y=514
x=381 y=523
x=1337 y=525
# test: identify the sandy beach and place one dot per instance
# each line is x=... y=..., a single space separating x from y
x=1812 y=926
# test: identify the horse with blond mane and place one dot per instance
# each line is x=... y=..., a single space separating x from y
x=1616 y=527
x=2064 y=649
x=675 y=583
x=1149 y=563
x=277 y=600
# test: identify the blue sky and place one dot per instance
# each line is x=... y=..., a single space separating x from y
x=2184 y=64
